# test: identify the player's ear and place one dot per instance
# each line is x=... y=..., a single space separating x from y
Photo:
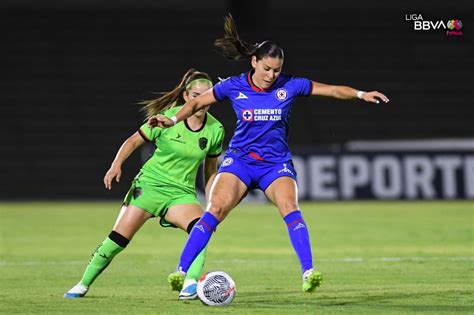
x=254 y=62
x=185 y=95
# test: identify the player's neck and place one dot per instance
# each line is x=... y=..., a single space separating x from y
x=196 y=122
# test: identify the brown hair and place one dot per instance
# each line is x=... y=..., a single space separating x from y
x=173 y=98
x=234 y=48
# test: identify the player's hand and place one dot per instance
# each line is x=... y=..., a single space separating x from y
x=115 y=171
x=160 y=121
x=374 y=97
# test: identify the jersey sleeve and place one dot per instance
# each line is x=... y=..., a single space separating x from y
x=216 y=148
x=153 y=134
x=149 y=134
x=302 y=86
x=221 y=90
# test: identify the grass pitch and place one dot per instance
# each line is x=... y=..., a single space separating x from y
x=376 y=257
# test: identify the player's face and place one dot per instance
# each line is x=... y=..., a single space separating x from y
x=267 y=71
x=196 y=90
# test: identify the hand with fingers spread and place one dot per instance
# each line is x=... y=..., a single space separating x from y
x=374 y=97
x=115 y=171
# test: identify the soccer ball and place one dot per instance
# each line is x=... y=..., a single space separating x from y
x=216 y=288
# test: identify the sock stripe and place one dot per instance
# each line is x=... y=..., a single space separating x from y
x=291 y=224
x=204 y=223
x=119 y=239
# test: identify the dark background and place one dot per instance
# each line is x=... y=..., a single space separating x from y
x=72 y=72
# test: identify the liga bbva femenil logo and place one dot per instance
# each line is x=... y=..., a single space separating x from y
x=452 y=27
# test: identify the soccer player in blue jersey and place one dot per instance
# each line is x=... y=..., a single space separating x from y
x=258 y=156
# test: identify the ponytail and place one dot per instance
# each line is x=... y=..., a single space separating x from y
x=173 y=98
x=234 y=48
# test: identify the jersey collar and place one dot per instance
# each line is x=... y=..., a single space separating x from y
x=200 y=128
x=252 y=85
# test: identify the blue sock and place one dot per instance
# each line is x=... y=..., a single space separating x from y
x=299 y=239
x=197 y=240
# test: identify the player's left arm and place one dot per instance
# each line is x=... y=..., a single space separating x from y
x=346 y=92
x=210 y=172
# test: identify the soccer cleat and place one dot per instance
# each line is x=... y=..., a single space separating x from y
x=176 y=280
x=311 y=280
x=77 y=291
x=189 y=291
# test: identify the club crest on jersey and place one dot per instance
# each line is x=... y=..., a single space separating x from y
x=228 y=161
x=281 y=94
x=202 y=143
x=247 y=114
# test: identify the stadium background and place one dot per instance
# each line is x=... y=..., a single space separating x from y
x=73 y=71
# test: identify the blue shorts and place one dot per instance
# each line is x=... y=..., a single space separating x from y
x=256 y=174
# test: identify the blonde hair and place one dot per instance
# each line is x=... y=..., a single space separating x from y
x=173 y=98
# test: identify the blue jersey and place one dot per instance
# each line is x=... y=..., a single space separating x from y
x=262 y=115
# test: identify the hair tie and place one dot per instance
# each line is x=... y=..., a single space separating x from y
x=261 y=44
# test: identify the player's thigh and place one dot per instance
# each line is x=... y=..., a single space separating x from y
x=182 y=214
x=130 y=221
x=226 y=192
x=283 y=192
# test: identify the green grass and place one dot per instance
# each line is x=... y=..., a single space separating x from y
x=376 y=257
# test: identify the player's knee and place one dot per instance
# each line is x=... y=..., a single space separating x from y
x=287 y=206
x=217 y=210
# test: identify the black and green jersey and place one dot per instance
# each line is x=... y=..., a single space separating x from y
x=180 y=151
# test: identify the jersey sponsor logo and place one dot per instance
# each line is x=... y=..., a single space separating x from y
x=285 y=170
x=228 y=161
x=202 y=143
x=264 y=114
x=247 y=114
x=281 y=94
x=299 y=226
x=241 y=96
x=178 y=139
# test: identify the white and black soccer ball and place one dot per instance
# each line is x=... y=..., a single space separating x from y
x=216 y=288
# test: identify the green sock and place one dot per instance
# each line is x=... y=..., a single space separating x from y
x=100 y=259
x=195 y=270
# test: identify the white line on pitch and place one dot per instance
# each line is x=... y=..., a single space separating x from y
x=4 y=263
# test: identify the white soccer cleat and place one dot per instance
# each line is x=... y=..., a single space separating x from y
x=189 y=291
x=77 y=291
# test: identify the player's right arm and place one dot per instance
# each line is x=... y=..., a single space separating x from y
x=127 y=148
x=188 y=109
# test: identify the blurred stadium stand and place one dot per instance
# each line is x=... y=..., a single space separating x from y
x=72 y=72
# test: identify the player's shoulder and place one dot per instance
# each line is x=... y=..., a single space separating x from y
x=288 y=77
x=172 y=111
x=213 y=122
x=287 y=80
x=235 y=80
